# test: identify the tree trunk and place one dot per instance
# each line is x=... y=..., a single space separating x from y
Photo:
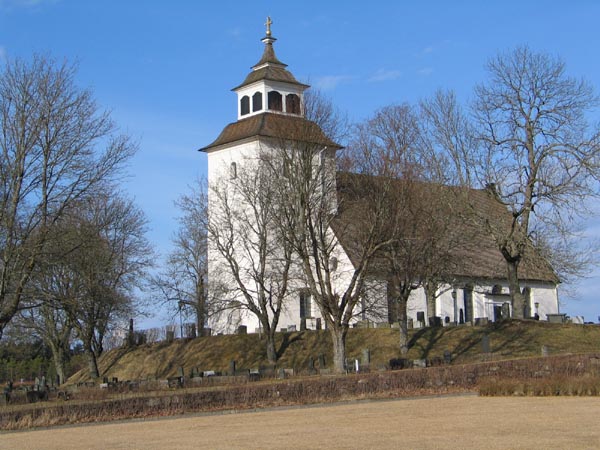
x=338 y=337
x=271 y=352
x=93 y=366
x=200 y=307
x=59 y=358
x=430 y=291
x=517 y=298
x=403 y=320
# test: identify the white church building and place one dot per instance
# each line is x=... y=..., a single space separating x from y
x=270 y=101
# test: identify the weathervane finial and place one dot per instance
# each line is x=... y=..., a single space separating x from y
x=268 y=24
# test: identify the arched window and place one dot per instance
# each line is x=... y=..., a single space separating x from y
x=257 y=101
x=233 y=171
x=333 y=263
x=245 y=105
x=292 y=104
x=275 y=101
x=496 y=289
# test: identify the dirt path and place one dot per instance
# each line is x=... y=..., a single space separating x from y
x=449 y=423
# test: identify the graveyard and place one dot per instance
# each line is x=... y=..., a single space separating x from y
x=228 y=373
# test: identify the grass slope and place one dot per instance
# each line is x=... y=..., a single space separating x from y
x=511 y=339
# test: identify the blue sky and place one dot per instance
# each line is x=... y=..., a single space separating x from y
x=165 y=69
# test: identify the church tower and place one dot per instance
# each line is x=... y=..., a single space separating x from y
x=270 y=113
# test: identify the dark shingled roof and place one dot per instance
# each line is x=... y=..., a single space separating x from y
x=273 y=125
x=477 y=256
x=271 y=73
x=273 y=70
x=269 y=56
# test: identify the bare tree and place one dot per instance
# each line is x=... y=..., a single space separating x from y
x=318 y=209
x=86 y=282
x=50 y=157
x=536 y=153
x=183 y=282
x=243 y=230
x=400 y=174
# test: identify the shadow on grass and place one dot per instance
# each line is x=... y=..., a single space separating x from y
x=288 y=340
x=505 y=336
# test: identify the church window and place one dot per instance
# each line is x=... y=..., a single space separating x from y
x=245 y=105
x=275 y=101
x=333 y=263
x=305 y=305
x=257 y=101
x=292 y=104
x=233 y=171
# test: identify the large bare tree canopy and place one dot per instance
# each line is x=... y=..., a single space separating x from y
x=56 y=148
x=529 y=141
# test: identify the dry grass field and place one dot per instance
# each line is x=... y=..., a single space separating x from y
x=461 y=422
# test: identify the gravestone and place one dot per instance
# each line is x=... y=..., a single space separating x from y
x=447 y=356
x=420 y=363
x=545 y=350
x=242 y=329
x=485 y=344
x=311 y=366
x=232 y=368
x=180 y=372
x=321 y=361
x=170 y=336
x=366 y=357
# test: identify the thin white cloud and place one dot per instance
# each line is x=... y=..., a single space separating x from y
x=330 y=82
x=25 y=4
x=425 y=71
x=384 y=75
x=428 y=49
x=235 y=32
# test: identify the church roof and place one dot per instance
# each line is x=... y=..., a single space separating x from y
x=270 y=73
x=269 y=67
x=473 y=254
x=273 y=125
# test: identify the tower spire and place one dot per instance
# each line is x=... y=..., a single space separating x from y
x=268 y=24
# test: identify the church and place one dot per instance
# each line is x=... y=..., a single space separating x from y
x=270 y=108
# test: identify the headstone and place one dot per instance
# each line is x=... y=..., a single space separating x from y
x=281 y=374
x=283 y=330
x=409 y=323
x=311 y=363
x=242 y=329
x=420 y=363
x=366 y=357
x=170 y=336
x=130 y=337
x=321 y=361
x=485 y=344
x=556 y=318
x=180 y=371
x=447 y=356
x=545 y=350
x=232 y=368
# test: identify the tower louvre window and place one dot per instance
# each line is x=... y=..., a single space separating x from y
x=257 y=101
x=245 y=105
x=292 y=104
x=275 y=101
x=233 y=171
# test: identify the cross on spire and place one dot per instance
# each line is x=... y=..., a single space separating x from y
x=268 y=24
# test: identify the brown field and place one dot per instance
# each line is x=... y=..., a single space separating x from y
x=461 y=422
